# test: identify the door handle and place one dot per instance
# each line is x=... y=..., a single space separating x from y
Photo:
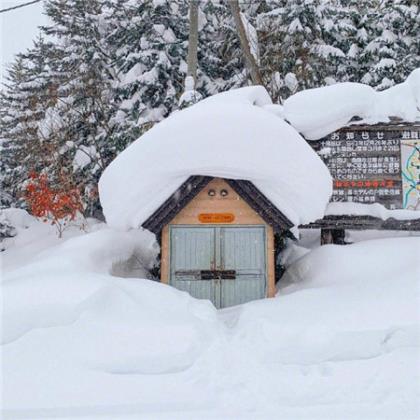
x=208 y=274
x=218 y=274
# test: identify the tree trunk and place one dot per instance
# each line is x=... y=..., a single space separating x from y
x=193 y=41
x=250 y=61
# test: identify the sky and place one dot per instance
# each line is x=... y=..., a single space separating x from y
x=17 y=30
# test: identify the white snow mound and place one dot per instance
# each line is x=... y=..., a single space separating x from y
x=317 y=112
x=111 y=324
x=341 y=338
x=229 y=135
x=340 y=303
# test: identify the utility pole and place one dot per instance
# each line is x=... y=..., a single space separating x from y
x=193 y=41
x=250 y=61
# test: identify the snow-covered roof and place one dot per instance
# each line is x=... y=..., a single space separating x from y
x=373 y=210
x=229 y=135
x=318 y=112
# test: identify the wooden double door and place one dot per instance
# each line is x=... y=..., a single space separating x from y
x=225 y=264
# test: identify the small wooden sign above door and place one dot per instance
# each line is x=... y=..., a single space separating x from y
x=216 y=217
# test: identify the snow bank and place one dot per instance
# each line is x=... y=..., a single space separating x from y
x=18 y=218
x=48 y=291
x=340 y=340
x=318 y=112
x=340 y=303
x=35 y=236
x=114 y=325
x=375 y=210
x=229 y=135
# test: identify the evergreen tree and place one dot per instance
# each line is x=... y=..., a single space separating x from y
x=113 y=68
x=84 y=93
x=310 y=43
x=150 y=40
x=358 y=21
x=24 y=102
x=220 y=61
x=298 y=48
x=396 y=43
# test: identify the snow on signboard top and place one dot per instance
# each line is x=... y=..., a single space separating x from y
x=229 y=135
x=375 y=210
x=317 y=112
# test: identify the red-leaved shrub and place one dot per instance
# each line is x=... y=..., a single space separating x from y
x=56 y=205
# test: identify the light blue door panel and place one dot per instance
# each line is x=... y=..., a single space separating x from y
x=192 y=250
x=238 y=251
x=243 y=250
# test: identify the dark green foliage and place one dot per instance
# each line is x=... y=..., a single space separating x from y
x=311 y=43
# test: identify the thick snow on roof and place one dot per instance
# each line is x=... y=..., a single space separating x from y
x=318 y=112
x=229 y=135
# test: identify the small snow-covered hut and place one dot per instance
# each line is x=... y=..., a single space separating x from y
x=221 y=184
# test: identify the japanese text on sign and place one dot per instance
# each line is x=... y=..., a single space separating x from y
x=370 y=166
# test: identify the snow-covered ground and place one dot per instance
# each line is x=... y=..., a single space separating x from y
x=341 y=339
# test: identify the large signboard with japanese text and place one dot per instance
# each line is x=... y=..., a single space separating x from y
x=376 y=164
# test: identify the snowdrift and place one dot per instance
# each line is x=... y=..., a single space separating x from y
x=341 y=303
x=342 y=337
x=68 y=326
x=113 y=323
x=318 y=112
x=229 y=135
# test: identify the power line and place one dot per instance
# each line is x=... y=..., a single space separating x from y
x=19 y=6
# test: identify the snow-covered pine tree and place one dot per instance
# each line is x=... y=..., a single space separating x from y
x=24 y=101
x=335 y=31
x=150 y=41
x=7 y=163
x=356 y=21
x=270 y=39
x=84 y=95
x=396 y=44
x=298 y=50
x=310 y=43
x=112 y=68
x=220 y=61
